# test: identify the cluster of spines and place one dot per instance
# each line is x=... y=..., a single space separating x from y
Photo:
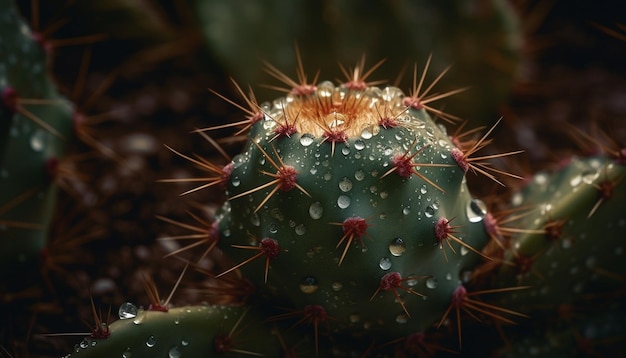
x=354 y=228
x=561 y=239
x=36 y=125
x=404 y=165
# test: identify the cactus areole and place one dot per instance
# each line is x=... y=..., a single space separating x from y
x=349 y=199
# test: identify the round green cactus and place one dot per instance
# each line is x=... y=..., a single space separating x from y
x=352 y=200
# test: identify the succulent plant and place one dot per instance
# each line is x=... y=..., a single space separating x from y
x=197 y=331
x=349 y=228
x=349 y=198
x=480 y=38
x=35 y=126
x=567 y=250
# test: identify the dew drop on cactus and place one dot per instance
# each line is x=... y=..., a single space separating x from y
x=397 y=247
x=476 y=210
x=150 y=341
x=127 y=310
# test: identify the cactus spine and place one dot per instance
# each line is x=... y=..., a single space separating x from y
x=35 y=124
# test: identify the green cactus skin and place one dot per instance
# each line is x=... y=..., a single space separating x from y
x=30 y=148
x=481 y=39
x=581 y=210
x=355 y=213
x=570 y=254
x=193 y=331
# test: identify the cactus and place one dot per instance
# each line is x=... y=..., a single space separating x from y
x=349 y=227
x=584 y=197
x=36 y=124
x=351 y=199
x=481 y=39
x=196 y=330
x=348 y=210
x=568 y=251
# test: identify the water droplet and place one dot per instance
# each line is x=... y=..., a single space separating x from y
x=430 y=211
x=150 y=342
x=448 y=276
x=141 y=314
x=174 y=352
x=541 y=178
x=406 y=210
x=411 y=281
x=476 y=210
x=566 y=243
x=300 y=229
x=127 y=310
x=345 y=150
x=273 y=228
x=316 y=210
x=366 y=133
x=327 y=176
x=306 y=140
x=359 y=175
x=37 y=140
x=423 y=189
x=359 y=144
x=576 y=180
x=235 y=181
x=343 y=201
x=184 y=343
x=431 y=282
x=590 y=176
x=254 y=219
x=397 y=247
x=345 y=185
x=337 y=286
x=402 y=318
x=277 y=214
x=384 y=195
x=309 y=285
x=384 y=264
x=84 y=344
x=127 y=353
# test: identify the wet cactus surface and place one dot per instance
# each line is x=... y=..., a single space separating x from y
x=348 y=218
